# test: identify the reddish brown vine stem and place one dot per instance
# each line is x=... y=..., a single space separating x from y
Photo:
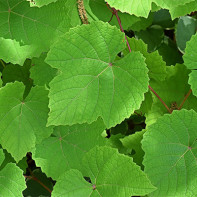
x=37 y=180
x=160 y=99
x=115 y=12
x=187 y=95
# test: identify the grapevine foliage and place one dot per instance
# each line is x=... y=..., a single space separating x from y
x=98 y=98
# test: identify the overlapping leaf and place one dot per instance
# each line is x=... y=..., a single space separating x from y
x=173 y=91
x=30 y=26
x=12 y=51
x=111 y=174
x=42 y=73
x=170 y=154
x=40 y=3
x=66 y=149
x=22 y=122
x=190 y=61
x=142 y=8
x=12 y=181
x=155 y=64
x=91 y=83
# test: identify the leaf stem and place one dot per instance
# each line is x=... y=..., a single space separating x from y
x=37 y=180
x=2 y=63
x=160 y=99
x=115 y=12
x=186 y=97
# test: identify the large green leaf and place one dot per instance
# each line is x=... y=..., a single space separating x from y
x=91 y=83
x=65 y=150
x=12 y=181
x=111 y=174
x=190 y=61
x=170 y=154
x=22 y=122
x=142 y=8
x=30 y=26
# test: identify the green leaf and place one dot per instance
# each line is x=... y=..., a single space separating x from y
x=12 y=51
x=111 y=174
x=66 y=149
x=142 y=8
x=22 y=164
x=2 y=157
x=169 y=52
x=115 y=142
x=170 y=154
x=111 y=171
x=190 y=61
x=40 y=3
x=182 y=10
x=42 y=73
x=22 y=122
x=12 y=181
x=152 y=36
x=102 y=12
x=12 y=73
x=91 y=83
x=30 y=26
x=136 y=7
x=172 y=91
x=134 y=142
x=185 y=28
x=155 y=64
x=163 y=18
x=72 y=184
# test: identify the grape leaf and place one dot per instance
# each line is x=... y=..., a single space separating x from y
x=42 y=73
x=170 y=154
x=172 y=91
x=155 y=64
x=152 y=36
x=66 y=149
x=142 y=8
x=134 y=142
x=190 y=61
x=12 y=181
x=12 y=51
x=111 y=174
x=185 y=28
x=72 y=184
x=22 y=122
x=91 y=83
x=102 y=12
x=182 y=10
x=40 y=3
x=31 y=25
